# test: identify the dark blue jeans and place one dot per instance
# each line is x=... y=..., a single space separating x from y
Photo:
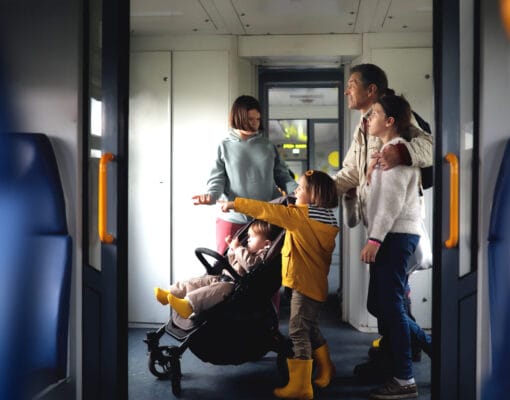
x=386 y=301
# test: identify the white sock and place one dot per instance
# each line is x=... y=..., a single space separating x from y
x=404 y=382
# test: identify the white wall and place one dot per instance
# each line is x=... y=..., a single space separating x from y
x=149 y=183
x=205 y=76
x=247 y=78
x=200 y=104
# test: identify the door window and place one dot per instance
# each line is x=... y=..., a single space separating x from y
x=95 y=129
x=303 y=124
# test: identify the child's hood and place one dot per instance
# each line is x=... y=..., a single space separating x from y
x=234 y=136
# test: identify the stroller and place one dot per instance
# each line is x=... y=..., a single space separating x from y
x=220 y=334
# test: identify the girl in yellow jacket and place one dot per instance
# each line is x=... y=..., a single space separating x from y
x=311 y=229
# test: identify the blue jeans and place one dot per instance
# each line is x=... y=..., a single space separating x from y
x=386 y=301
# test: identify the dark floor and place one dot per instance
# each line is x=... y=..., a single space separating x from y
x=256 y=380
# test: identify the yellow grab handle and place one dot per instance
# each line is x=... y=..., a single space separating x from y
x=453 y=240
x=102 y=202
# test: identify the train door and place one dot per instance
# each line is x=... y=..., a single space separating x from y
x=456 y=60
x=106 y=55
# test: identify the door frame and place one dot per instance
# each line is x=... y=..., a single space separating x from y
x=454 y=314
x=105 y=316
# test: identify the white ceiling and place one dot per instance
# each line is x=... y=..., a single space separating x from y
x=282 y=17
x=278 y=17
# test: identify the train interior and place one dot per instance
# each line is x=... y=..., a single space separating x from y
x=116 y=109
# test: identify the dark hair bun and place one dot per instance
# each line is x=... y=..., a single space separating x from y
x=389 y=92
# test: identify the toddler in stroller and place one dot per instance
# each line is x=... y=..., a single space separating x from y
x=232 y=317
x=189 y=298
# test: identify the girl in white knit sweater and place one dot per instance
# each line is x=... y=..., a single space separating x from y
x=391 y=214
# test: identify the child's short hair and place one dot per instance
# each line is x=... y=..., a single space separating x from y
x=322 y=189
x=265 y=229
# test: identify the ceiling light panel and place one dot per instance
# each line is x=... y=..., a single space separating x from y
x=280 y=17
x=153 y=17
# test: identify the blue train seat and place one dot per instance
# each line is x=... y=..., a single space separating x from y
x=498 y=385
x=36 y=260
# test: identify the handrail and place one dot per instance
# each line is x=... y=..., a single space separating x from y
x=102 y=199
x=453 y=240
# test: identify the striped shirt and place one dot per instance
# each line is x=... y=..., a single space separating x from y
x=324 y=215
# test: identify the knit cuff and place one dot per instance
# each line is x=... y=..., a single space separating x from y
x=374 y=240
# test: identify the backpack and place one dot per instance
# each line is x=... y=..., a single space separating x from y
x=427 y=173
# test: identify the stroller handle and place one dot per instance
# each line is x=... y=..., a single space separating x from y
x=220 y=264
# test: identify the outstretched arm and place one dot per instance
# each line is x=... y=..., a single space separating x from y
x=288 y=217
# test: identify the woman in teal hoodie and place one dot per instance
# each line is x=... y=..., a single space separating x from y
x=247 y=165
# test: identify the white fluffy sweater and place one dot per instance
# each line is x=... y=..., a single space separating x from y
x=392 y=201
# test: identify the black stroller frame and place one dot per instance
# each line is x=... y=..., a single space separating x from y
x=249 y=307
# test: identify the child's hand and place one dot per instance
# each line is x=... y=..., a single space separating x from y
x=369 y=252
x=228 y=240
x=235 y=243
x=226 y=205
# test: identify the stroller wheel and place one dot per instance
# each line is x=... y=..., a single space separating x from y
x=159 y=362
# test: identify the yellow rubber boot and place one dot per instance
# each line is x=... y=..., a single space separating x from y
x=300 y=377
x=181 y=306
x=325 y=368
x=161 y=295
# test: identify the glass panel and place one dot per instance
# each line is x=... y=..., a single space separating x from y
x=325 y=147
x=291 y=140
x=96 y=127
x=291 y=111
x=466 y=136
x=324 y=156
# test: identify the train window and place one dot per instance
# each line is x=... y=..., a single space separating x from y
x=291 y=139
x=303 y=124
x=95 y=125
x=326 y=145
x=467 y=235
x=96 y=121
x=96 y=128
